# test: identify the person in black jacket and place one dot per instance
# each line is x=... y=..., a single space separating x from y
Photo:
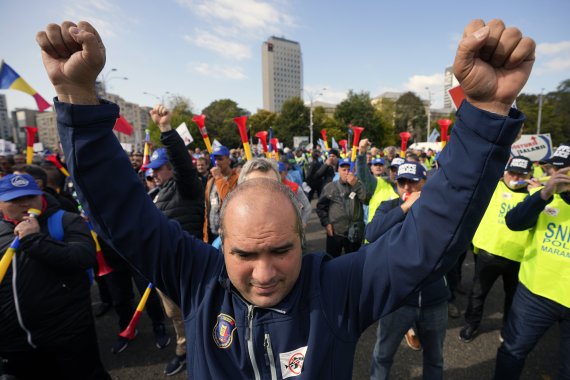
x=180 y=197
x=46 y=322
x=425 y=308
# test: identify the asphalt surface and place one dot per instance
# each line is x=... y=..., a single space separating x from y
x=462 y=361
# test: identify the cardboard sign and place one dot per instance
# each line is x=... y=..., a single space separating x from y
x=184 y=133
x=534 y=147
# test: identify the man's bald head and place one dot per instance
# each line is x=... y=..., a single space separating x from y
x=261 y=194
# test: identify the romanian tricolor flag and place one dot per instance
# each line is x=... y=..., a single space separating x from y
x=9 y=79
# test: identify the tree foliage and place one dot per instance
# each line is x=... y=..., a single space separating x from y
x=358 y=110
x=411 y=117
x=220 y=121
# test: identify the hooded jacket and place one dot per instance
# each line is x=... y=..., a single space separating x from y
x=312 y=333
x=49 y=281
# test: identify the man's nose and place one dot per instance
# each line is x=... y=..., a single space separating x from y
x=264 y=271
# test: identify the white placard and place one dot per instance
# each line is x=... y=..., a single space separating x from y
x=184 y=133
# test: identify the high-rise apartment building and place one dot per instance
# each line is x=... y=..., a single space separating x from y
x=282 y=65
x=5 y=127
x=449 y=81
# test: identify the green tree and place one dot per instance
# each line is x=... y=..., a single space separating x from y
x=357 y=109
x=292 y=121
x=411 y=117
x=219 y=121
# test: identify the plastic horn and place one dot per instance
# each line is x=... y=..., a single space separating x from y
x=404 y=136
x=444 y=125
x=146 y=152
x=262 y=136
x=343 y=143
x=275 y=143
x=355 y=141
x=30 y=137
x=7 y=258
x=53 y=159
x=324 y=134
x=131 y=330
x=199 y=120
x=102 y=266
x=240 y=121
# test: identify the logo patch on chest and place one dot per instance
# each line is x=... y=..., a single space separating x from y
x=223 y=333
x=551 y=211
x=292 y=362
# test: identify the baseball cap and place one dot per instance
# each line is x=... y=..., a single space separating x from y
x=397 y=161
x=344 y=162
x=15 y=186
x=157 y=159
x=282 y=166
x=377 y=161
x=221 y=151
x=335 y=152
x=148 y=173
x=519 y=164
x=561 y=157
x=412 y=171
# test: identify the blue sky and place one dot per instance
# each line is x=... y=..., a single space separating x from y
x=211 y=49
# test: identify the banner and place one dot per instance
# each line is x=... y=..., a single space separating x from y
x=183 y=131
x=433 y=136
x=535 y=147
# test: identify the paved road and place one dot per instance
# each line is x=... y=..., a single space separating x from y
x=472 y=361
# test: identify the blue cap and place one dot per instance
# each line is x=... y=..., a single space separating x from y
x=344 y=162
x=397 y=161
x=148 y=173
x=221 y=151
x=15 y=186
x=282 y=167
x=412 y=171
x=157 y=159
x=377 y=161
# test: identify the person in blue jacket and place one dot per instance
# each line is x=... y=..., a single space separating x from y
x=257 y=308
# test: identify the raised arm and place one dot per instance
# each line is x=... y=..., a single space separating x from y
x=441 y=223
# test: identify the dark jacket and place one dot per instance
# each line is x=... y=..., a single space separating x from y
x=52 y=285
x=182 y=197
x=337 y=208
x=387 y=215
x=318 y=324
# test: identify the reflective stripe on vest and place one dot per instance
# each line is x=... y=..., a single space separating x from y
x=383 y=192
x=493 y=235
x=545 y=268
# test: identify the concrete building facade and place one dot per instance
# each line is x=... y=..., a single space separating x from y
x=282 y=70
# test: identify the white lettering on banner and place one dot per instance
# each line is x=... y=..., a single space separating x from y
x=292 y=362
x=519 y=163
x=562 y=151
x=407 y=169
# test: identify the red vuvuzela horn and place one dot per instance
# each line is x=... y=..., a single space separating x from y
x=53 y=159
x=444 y=125
x=405 y=136
x=200 y=121
x=262 y=136
x=324 y=135
x=240 y=121
x=343 y=144
x=30 y=138
x=355 y=141
x=131 y=330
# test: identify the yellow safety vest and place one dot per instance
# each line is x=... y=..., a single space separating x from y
x=537 y=172
x=545 y=267
x=493 y=235
x=383 y=192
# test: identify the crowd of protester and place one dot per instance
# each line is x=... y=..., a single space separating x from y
x=200 y=204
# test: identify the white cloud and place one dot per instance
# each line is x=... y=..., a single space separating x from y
x=418 y=83
x=553 y=48
x=248 y=16
x=217 y=71
x=99 y=13
x=558 y=64
x=228 y=49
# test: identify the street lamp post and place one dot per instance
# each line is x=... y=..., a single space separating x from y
x=428 y=114
x=105 y=79
x=311 y=96
x=158 y=98
x=538 y=122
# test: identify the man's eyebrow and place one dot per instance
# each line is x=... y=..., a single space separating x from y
x=279 y=248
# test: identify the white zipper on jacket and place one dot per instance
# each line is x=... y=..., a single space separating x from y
x=17 y=303
x=269 y=358
x=250 y=347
